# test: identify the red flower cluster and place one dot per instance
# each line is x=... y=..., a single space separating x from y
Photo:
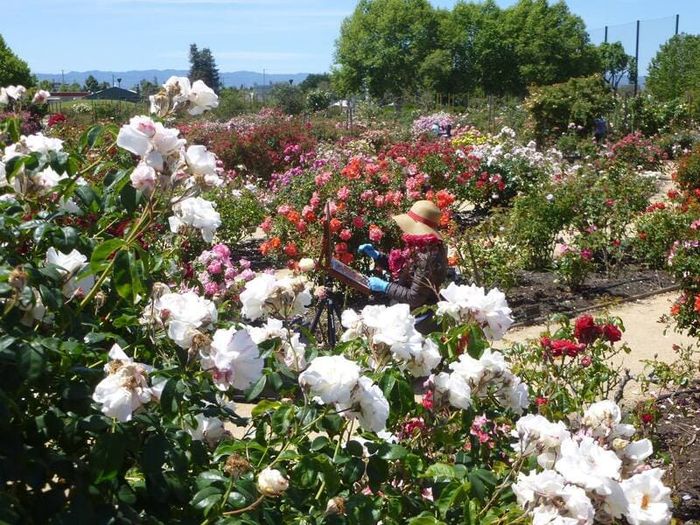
x=561 y=347
x=587 y=331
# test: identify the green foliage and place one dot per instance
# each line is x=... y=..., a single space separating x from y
x=13 y=70
x=573 y=266
x=579 y=101
x=674 y=72
x=287 y=98
x=688 y=173
x=616 y=63
x=241 y=212
x=656 y=232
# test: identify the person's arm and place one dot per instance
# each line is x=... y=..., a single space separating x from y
x=421 y=289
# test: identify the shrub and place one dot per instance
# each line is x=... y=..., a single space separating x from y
x=572 y=264
x=637 y=152
x=241 y=212
x=578 y=101
x=687 y=175
x=657 y=229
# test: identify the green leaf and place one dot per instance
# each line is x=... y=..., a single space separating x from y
x=128 y=272
x=482 y=482
x=107 y=456
x=102 y=253
x=206 y=498
x=443 y=471
x=256 y=389
x=451 y=496
x=167 y=398
x=31 y=361
x=425 y=520
x=263 y=406
x=394 y=452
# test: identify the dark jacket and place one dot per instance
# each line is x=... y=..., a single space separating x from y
x=421 y=277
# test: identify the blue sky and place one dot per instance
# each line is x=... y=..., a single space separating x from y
x=282 y=36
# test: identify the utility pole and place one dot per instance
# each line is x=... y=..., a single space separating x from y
x=606 y=35
x=678 y=17
x=63 y=78
x=636 y=58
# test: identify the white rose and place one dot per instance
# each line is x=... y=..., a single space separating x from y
x=136 y=136
x=306 y=264
x=208 y=429
x=369 y=406
x=38 y=143
x=4 y=98
x=649 y=499
x=330 y=379
x=40 y=97
x=184 y=314
x=70 y=265
x=202 y=98
x=587 y=464
x=272 y=483
x=203 y=163
x=166 y=140
x=233 y=359
x=16 y=92
x=197 y=213
x=47 y=179
x=144 y=178
x=178 y=88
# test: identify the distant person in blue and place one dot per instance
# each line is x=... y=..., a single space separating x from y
x=435 y=129
x=601 y=129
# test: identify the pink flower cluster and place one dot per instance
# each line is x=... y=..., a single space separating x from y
x=218 y=274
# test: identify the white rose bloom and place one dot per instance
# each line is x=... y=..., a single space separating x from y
x=537 y=435
x=578 y=505
x=16 y=92
x=47 y=179
x=265 y=294
x=255 y=295
x=36 y=311
x=38 y=143
x=530 y=487
x=3 y=176
x=464 y=303
x=307 y=264
x=166 y=140
x=125 y=389
x=638 y=451
x=233 y=359
x=136 y=136
x=368 y=405
x=514 y=395
x=197 y=213
x=549 y=515
x=294 y=353
x=273 y=328
x=457 y=389
x=202 y=98
x=184 y=314
x=587 y=464
x=40 y=97
x=649 y=499
x=352 y=322
x=178 y=88
x=424 y=361
x=330 y=379
x=209 y=429
x=144 y=177
x=70 y=265
x=202 y=163
x=272 y=483
x=602 y=417
x=4 y=98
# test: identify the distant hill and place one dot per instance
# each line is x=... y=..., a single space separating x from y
x=131 y=78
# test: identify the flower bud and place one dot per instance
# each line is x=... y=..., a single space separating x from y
x=306 y=264
x=272 y=483
x=335 y=506
x=236 y=466
x=18 y=279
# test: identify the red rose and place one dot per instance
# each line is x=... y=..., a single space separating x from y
x=612 y=333
x=564 y=346
x=585 y=330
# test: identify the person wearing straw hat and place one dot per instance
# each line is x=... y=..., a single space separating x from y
x=419 y=269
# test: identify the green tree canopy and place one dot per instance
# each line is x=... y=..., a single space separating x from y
x=616 y=63
x=91 y=84
x=382 y=46
x=203 y=67
x=13 y=70
x=675 y=70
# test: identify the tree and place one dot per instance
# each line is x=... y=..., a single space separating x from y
x=675 y=70
x=203 y=67
x=551 y=44
x=382 y=46
x=316 y=80
x=91 y=84
x=287 y=98
x=615 y=63
x=13 y=70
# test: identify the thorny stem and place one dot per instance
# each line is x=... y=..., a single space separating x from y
x=506 y=483
x=245 y=509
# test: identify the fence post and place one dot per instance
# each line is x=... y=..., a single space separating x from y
x=636 y=59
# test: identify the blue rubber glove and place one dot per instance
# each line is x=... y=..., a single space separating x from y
x=378 y=285
x=368 y=250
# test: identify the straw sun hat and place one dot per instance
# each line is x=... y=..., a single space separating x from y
x=422 y=219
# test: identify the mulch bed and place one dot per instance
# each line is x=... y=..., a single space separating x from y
x=537 y=295
x=677 y=436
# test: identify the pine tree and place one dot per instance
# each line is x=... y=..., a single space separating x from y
x=203 y=67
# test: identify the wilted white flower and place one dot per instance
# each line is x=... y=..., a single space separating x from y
x=34 y=311
x=208 y=429
x=233 y=359
x=125 y=389
x=70 y=265
x=47 y=179
x=40 y=97
x=267 y=295
x=202 y=98
x=537 y=435
x=465 y=303
x=183 y=314
x=272 y=483
x=330 y=379
x=197 y=213
x=648 y=498
x=294 y=356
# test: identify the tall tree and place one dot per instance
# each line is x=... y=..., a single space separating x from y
x=550 y=42
x=616 y=63
x=91 y=84
x=382 y=46
x=675 y=70
x=203 y=67
x=13 y=70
